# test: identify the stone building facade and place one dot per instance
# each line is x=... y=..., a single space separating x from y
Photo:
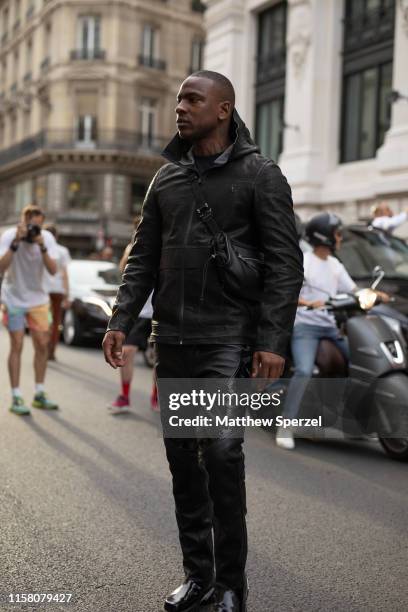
x=87 y=98
x=323 y=84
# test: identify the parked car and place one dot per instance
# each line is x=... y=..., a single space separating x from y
x=363 y=248
x=93 y=286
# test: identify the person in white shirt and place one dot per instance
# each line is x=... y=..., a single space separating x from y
x=26 y=252
x=384 y=219
x=57 y=286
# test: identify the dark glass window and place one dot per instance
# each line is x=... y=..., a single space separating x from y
x=270 y=79
x=83 y=191
x=269 y=118
x=137 y=195
x=367 y=77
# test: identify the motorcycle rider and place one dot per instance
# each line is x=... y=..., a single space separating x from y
x=324 y=277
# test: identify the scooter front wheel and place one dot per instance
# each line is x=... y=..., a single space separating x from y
x=390 y=395
x=396 y=448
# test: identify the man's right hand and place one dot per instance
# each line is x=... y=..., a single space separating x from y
x=113 y=348
x=21 y=231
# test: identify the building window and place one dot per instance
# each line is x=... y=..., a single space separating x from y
x=367 y=76
x=27 y=122
x=13 y=128
x=89 y=37
x=86 y=131
x=137 y=195
x=147 y=121
x=47 y=51
x=270 y=79
x=83 y=191
x=5 y=25
x=197 y=51
x=148 y=42
x=269 y=116
x=149 y=48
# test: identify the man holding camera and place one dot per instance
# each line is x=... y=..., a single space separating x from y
x=25 y=253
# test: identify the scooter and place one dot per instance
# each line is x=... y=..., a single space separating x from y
x=369 y=394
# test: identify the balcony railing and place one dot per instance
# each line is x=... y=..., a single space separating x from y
x=106 y=140
x=152 y=62
x=87 y=54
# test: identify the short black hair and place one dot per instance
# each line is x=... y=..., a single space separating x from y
x=225 y=86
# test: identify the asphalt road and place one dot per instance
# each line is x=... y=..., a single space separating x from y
x=86 y=507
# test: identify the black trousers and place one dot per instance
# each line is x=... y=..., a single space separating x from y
x=208 y=475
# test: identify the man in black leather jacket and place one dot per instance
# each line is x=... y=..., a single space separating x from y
x=199 y=328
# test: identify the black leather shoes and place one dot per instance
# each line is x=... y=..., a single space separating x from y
x=188 y=597
x=227 y=600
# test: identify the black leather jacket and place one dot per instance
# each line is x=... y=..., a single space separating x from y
x=251 y=201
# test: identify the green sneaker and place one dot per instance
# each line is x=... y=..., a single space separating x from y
x=18 y=407
x=40 y=401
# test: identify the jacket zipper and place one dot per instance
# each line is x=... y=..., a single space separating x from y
x=182 y=269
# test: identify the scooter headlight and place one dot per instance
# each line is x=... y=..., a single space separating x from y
x=366 y=298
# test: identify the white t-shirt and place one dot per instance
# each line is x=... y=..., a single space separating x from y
x=147 y=310
x=55 y=283
x=323 y=278
x=388 y=224
x=22 y=286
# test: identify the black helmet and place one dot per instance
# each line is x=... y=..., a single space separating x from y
x=321 y=228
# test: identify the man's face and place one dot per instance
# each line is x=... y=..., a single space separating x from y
x=35 y=220
x=199 y=109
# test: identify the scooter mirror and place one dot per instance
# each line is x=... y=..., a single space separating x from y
x=378 y=274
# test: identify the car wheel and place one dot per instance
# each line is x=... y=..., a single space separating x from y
x=71 y=330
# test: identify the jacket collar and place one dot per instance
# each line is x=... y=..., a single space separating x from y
x=180 y=152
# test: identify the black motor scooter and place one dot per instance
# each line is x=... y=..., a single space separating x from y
x=369 y=394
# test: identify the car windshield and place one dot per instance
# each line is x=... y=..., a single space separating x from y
x=94 y=274
x=360 y=252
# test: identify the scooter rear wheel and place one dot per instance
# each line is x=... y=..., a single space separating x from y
x=396 y=448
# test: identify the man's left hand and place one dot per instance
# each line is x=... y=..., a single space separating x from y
x=39 y=240
x=267 y=365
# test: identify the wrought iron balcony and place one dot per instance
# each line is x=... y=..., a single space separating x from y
x=67 y=140
x=87 y=54
x=152 y=62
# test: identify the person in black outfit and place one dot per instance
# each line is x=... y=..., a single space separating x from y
x=199 y=327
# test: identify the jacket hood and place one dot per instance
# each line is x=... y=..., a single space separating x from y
x=177 y=151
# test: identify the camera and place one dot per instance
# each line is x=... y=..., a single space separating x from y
x=33 y=230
